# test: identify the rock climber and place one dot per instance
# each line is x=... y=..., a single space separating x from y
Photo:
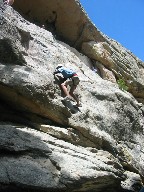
x=70 y=78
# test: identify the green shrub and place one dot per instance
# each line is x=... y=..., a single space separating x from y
x=122 y=85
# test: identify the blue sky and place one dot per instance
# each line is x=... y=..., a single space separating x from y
x=122 y=20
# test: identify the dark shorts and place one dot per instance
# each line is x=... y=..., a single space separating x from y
x=72 y=81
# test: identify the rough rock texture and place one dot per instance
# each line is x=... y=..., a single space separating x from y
x=121 y=62
x=65 y=18
x=68 y=22
x=48 y=145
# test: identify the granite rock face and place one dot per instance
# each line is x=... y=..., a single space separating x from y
x=68 y=21
x=48 y=145
x=120 y=61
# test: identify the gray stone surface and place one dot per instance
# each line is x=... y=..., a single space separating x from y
x=120 y=61
x=69 y=22
x=48 y=146
x=38 y=160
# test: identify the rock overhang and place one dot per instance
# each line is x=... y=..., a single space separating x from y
x=65 y=19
